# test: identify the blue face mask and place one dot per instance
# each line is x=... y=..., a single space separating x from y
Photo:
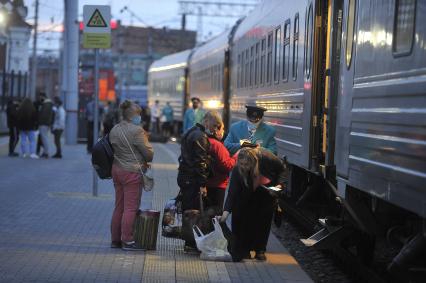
x=136 y=120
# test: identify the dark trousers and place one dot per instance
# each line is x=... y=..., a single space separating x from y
x=89 y=136
x=251 y=222
x=215 y=198
x=39 y=143
x=57 y=134
x=190 y=200
x=13 y=139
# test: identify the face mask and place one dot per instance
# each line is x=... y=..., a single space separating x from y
x=253 y=126
x=136 y=120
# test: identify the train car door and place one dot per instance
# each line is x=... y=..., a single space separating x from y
x=325 y=34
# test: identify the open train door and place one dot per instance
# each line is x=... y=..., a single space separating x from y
x=321 y=73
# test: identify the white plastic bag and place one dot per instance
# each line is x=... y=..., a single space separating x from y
x=213 y=246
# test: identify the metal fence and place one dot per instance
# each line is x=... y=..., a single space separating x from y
x=12 y=85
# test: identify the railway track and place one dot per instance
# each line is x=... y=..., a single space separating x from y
x=335 y=265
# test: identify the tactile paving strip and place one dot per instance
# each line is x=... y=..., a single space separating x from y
x=169 y=263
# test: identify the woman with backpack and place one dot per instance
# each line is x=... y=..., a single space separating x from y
x=132 y=151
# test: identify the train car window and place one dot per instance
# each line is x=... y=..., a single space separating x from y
x=238 y=70
x=251 y=65
x=308 y=45
x=403 y=34
x=286 y=50
x=350 y=32
x=269 y=59
x=295 y=45
x=246 y=79
x=262 y=61
x=277 y=55
x=242 y=70
x=256 y=64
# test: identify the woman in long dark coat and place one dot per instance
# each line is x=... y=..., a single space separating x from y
x=250 y=202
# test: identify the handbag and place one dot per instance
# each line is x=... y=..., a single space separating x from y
x=172 y=218
x=147 y=175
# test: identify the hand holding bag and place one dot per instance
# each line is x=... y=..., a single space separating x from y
x=213 y=246
x=147 y=174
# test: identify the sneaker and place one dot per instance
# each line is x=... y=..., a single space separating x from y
x=131 y=246
x=260 y=255
x=33 y=155
x=116 y=244
x=57 y=156
x=44 y=155
x=25 y=155
x=13 y=154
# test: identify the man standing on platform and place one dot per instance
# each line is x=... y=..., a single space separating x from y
x=168 y=120
x=251 y=132
x=12 y=124
x=193 y=115
x=45 y=121
x=156 y=114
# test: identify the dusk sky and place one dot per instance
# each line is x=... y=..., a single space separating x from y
x=157 y=13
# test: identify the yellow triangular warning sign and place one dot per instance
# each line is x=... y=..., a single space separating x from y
x=96 y=20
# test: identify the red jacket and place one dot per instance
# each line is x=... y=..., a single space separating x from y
x=222 y=164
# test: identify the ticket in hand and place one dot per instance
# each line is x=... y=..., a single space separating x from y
x=275 y=189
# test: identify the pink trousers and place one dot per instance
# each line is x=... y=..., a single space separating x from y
x=128 y=192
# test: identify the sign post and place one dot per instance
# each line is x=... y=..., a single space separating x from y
x=96 y=34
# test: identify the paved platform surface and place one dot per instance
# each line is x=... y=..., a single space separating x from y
x=53 y=230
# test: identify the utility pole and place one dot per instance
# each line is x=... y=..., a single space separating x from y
x=34 y=56
x=214 y=8
x=71 y=74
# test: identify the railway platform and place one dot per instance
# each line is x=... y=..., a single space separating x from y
x=53 y=230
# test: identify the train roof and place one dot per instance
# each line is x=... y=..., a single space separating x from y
x=175 y=60
x=257 y=18
x=218 y=43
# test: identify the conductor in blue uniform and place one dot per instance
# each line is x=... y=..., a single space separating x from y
x=251 y=131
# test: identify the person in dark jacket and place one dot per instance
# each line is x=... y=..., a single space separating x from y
x=194 y=164
x=250 y=202
x=12 y=124
x=45 y=121
x=27 y=125
x=222 y=162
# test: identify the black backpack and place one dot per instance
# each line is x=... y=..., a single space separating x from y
x=102 y=157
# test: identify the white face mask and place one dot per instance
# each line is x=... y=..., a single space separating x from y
x=253 y=126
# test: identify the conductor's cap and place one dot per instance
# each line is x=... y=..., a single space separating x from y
x=255 y=111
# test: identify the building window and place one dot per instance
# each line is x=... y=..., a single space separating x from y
x=308 y=45
x=295 y=45
x=405 y=15
x=277 y=55
x=269 y=59
x=256 y=64
x=350 y=32
x=262 y=61
x=286 y=50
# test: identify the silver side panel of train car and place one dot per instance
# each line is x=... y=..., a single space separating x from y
x=381 y=127
x=270 y=73
x=166 y=82
x=206 y=72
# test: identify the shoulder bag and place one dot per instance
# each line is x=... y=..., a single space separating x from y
x=147 y=174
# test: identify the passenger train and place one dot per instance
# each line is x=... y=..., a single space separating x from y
x=344 y=82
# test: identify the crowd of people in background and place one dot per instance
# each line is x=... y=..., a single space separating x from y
x=30 y=124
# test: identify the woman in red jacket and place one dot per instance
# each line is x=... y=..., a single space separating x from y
x=222 y=162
